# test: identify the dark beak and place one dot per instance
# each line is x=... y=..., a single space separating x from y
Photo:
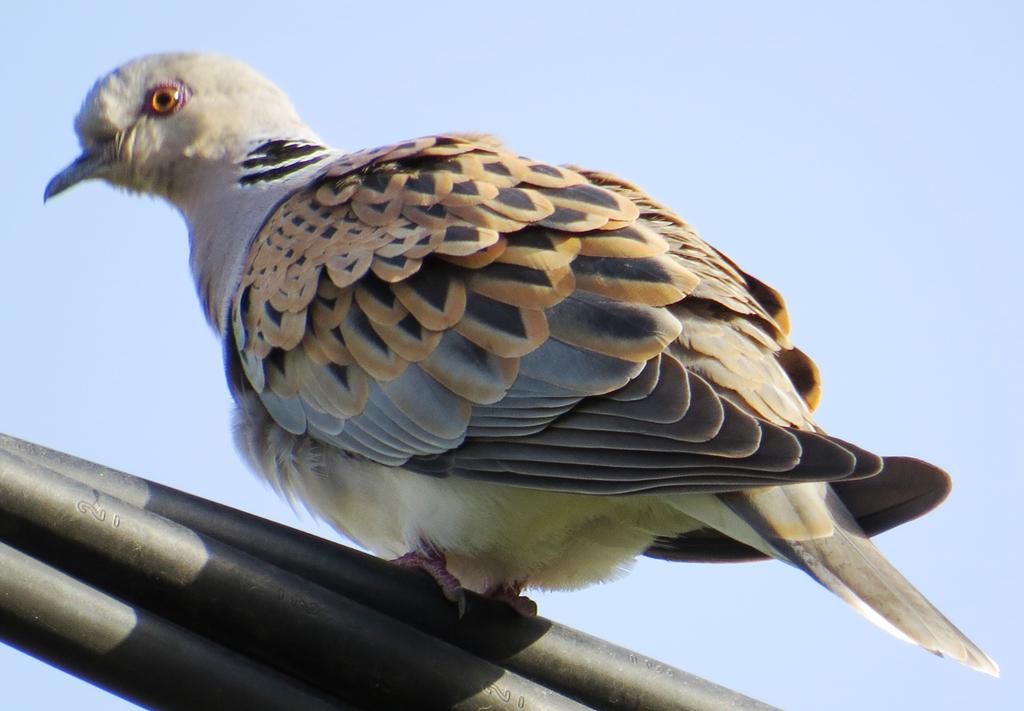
x=91 y=164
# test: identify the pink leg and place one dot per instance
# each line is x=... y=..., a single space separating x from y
x=432 y=561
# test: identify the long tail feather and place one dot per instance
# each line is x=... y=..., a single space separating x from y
x=808 y=526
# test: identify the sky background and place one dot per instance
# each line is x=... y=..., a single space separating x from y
x=863 y=158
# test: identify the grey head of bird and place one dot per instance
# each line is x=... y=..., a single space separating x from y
x=159 y=124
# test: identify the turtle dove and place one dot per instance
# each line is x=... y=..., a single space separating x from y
x=509 y=373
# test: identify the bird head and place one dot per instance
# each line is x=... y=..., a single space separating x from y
x=155 y=124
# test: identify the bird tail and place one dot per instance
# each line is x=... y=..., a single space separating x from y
x=808 y=526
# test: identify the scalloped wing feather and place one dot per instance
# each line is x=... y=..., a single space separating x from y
x=526 y=323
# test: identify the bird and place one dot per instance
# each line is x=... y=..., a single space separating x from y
x=507 y=373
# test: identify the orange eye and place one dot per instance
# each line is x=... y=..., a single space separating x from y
x=166 y=98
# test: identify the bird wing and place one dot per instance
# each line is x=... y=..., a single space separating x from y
x=449 y=306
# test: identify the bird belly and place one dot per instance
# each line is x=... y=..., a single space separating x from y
x=496 y=535
x=490 y=534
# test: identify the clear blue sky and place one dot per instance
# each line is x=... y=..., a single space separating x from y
x=865 y=159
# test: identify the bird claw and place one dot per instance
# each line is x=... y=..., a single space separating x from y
x=434 y=564
x=511 y=596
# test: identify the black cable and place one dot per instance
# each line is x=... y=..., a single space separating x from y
x=277 y=618
x=579 y=666
x=130 y=652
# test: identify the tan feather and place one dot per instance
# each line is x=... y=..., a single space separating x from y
x=295 y=291
x=635 y=240
x=594 y=200
x=521 y=205
x=344 y=270
x=804 y=375
x=282 y=329
x=379 y=302
x=469 y=192
x=406 y=238
x=480 y=259
x=504 y=171
x=572 y=220
x=392 y=269
x=337 y=192
x=428 y=187
x=328 y=309
x=376 y=214
x=437 y=299
x=521 y=286
x=631 y=331
x=332 y=389
x=408 y=338
x=330 y=345
x=484 y=216
x=544 y=175
x=540 y=249
x=502 y=329
x=370 y=351
x=277 y=381
x=433 y=217
x=380 y=188
x=457 y=143
x=655 y=281
x=463 y=240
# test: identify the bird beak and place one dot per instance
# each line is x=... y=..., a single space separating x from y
x=93 y=163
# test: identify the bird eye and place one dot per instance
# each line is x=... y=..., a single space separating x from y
x=166 y=98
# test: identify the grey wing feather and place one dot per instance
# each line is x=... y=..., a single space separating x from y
x=437 y=313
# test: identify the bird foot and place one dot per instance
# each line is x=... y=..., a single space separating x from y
x=433 y=562
x=511 y=595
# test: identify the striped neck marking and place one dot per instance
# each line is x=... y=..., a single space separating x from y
x=277 y=159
